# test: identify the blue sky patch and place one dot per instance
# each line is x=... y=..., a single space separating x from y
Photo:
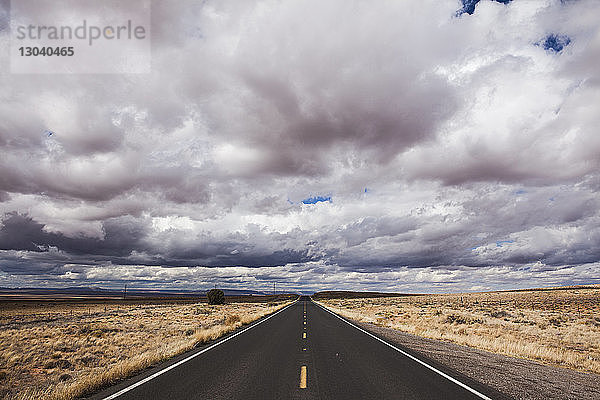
x=469 y=6
x=555 y=43
x=316 y=199
x=499 y=243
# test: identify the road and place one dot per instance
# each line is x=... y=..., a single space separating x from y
x=302 y=352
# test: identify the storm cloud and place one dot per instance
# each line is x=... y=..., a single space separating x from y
x=454 y=144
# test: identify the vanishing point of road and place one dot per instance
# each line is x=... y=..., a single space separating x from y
x=301 y=352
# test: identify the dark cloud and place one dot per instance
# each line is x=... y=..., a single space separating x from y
x=121 y=237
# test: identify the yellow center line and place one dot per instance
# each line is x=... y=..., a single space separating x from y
x=304 y=335
x=303 y=377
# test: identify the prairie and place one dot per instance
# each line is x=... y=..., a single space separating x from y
x=62 y=350
x=559 y=327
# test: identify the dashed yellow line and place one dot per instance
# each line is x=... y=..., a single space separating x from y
x=303 y=377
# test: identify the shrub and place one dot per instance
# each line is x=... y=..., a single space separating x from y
x=215 y=296
x=555 y=321
x=499 y=314
x=460 y=319
x=64 y=364
x=232 y=319
x=190 y=332
x=87 y=359
x=64 y=377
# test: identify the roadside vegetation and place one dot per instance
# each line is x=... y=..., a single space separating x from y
x=558 y=327
x=67 y=350
x=215 y=296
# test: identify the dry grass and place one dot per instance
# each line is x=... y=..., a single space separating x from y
x=556 y=327
x=63 y=351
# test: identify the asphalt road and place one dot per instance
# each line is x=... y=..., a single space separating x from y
x=302 y=352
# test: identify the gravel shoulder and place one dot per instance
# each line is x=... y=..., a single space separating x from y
x=515 y=377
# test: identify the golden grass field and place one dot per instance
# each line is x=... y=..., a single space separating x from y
x=555 y=327
x=62 y=351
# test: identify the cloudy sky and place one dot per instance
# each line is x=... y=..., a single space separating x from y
x=416 y=146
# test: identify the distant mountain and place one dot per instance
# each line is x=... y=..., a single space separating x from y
x=342 y=294
x=101 y=292
x=242 y=292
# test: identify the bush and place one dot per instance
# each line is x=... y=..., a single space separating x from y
x=500 y=314
x=555 y=321
x=459 y=319
x=215 y=296
x=232 y=319
x=64 y=377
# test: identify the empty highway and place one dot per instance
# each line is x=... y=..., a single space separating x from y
x=301 y=352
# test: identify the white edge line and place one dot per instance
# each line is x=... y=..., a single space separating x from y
x=459 y=383
x=170 y=367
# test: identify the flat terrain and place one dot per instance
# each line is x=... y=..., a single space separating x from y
x=302 y=352
x=559 y=327
x=62 y=349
